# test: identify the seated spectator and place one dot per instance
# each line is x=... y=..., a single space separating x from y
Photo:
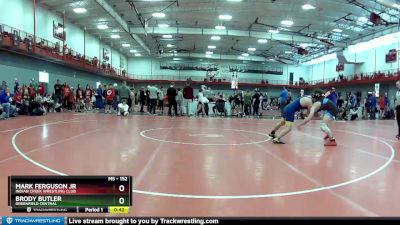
x=36 y=107
x=353 y=113
x=5 y=101
x=48 y=103
x=2 y=113
x=123 y=108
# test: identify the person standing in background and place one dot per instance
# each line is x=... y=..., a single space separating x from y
x=132 y=100
x=41 y=91
x=153 y=98
x=256 y=103
x=373 y=106
x=142 y=99
x=160 y=105
x=179 y=101
x=124 y=92
x=3 y=86
x=332 y=95
x=188 y=96
x=171 y=93
x=397 y=103
x=283 y=99
x=247 y=103
x=88 y=98
x=79 y=98
x=16 y=86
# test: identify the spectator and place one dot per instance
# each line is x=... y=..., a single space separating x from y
x=283 y=99
x=124 y=92
x=188 y=96
x=353 y=113
x=160 y=105
x=99 y=98
x=153 y=98
x=79 y=98
x=397 y=103
x=36 y=107
x=203 y=103
x=58 y=91
x=5 y=100
x=179 y=101
x=110 y=93
x=142 y=99
x=123 y=108
x=332 y=95
x=132 y=100
x=88 y=98
x=41 y=90
x=373 y=106
x=16 y=86
x=256 y=103
x=247 y=103
x=3 y=86
x=382 y=106
x=171 y=93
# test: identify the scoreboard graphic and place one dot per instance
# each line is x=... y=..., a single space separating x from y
x=70 y=194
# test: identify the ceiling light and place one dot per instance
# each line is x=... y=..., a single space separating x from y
x=308 y=7
x=133 y=51
x=262 y=41
x=126 y=45
x=208 y=56
x=212 y=47
x=138 y=54
x=80 y=10
x=241 y=57
x=234 y=0
x=220 y=27
x=337 y=30
x=304 y=45
x=163 y=25
x=115 y=36
x=225 y=17
x=168 y=36
x=274 y=31
x=245 y=54
x=396 y=6
x=102 y=26
x=363 y=19
x=158 y=15
x=252 y=49
x=176 y=59
x=288 y=52
x=209 y=53
x=288 y=23
x=170 y=45
x=215 y=38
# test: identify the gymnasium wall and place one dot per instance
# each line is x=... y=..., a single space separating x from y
x=25 y=68
x=374 y=60
x=19 y=14
x=145 y=68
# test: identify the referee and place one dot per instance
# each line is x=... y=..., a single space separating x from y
x=397 y=103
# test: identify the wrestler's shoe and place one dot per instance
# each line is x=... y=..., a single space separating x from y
x=331 y=142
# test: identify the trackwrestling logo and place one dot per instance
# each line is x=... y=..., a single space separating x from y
x=33 y=220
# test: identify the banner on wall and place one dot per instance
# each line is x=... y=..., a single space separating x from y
x=377 y=86
x=106 y=54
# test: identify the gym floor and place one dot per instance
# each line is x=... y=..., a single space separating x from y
x=213 y=166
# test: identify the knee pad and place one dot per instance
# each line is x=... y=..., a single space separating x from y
x=324 y=127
